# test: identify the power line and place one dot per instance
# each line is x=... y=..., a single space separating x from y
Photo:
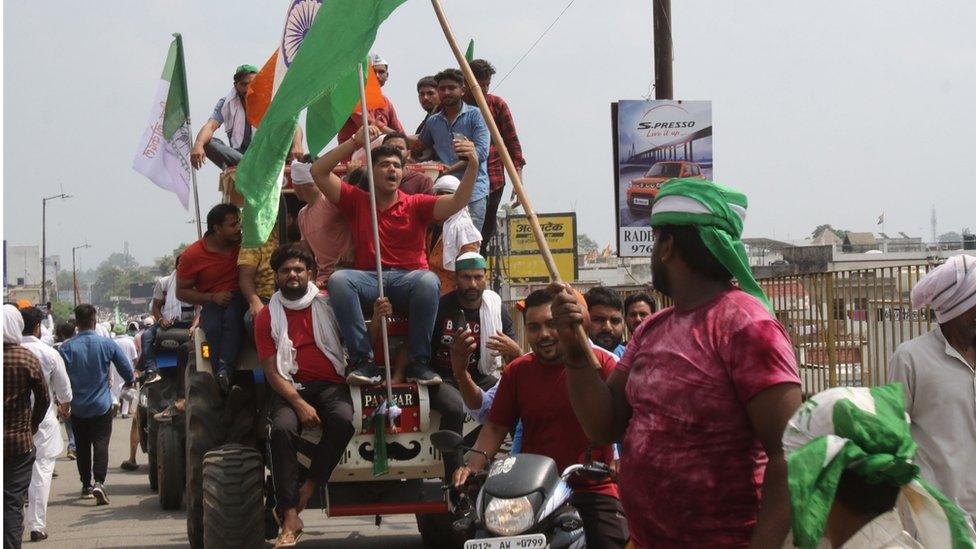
x=528 y=51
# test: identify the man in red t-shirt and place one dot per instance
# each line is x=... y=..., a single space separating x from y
x=298 y=345
x=533 y=389
x=403 y=221
x=704 y=390
x=207 y=276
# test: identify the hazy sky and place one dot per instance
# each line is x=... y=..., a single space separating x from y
x=824 y=112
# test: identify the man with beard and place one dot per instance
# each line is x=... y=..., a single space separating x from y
x=637 y=307
x=402 y=225
x=207 y=276
x=606 y=319
x=704 y=390
x=429 y=101
x=458 y=120
x=533 y=389
x=231 y=112
x=298 y=344
x=938 y=374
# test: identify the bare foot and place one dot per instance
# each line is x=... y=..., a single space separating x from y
x=305 y=494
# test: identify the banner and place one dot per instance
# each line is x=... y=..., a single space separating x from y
x=524 y=263
x=654 y=141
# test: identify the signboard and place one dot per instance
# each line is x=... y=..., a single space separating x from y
x=524 y=263
x=654 y=141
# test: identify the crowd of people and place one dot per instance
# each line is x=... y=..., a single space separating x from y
x=699 y=413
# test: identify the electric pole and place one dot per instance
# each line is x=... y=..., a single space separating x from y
x=44 y=243
x=74 y=271
x=663 y=51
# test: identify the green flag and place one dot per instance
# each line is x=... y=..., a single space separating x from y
x=177 y=104
x=326 y=116
x=469 y=55
x=338 y=40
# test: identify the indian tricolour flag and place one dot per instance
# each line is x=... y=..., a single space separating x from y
x=164 y=152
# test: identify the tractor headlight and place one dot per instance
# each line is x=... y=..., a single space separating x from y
x=509 y=517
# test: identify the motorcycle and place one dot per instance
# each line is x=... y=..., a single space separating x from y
x=518 y=502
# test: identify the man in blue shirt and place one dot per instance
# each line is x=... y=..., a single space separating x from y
x=458 y=120
x=88 y=357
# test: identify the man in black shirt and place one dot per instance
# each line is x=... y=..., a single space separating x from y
x=479 y=310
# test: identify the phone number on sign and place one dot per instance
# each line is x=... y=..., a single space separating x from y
x=640 y=249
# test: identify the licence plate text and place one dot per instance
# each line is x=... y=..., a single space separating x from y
x=641 y=201
x=530 y=541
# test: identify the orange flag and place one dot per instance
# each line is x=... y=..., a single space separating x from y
x=374 y=95
x=261 y=90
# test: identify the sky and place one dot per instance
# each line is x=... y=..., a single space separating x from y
x=823 y=112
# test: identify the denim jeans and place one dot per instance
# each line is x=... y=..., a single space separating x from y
x=71 y=434
x=224 y=327
x=414 y=292
x=16 y=479
x=148 y=359
x=477 y=209
x=221 y=154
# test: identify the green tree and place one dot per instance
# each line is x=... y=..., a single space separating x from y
x=585 y=244
x=62 y=310
x=165 y=264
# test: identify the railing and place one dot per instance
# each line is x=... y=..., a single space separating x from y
x=844 y=325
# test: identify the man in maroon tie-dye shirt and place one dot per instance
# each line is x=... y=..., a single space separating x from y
x=699 y=402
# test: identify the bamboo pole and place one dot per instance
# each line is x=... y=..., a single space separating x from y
x=496 y=138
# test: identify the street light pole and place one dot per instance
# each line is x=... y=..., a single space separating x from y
x=74 y=271
x=44 y=242
x=663 y=53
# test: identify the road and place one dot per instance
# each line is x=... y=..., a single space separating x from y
x=134 y=519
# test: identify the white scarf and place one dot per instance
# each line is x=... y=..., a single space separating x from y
x=491 y=324
x=324 y=327
x=949 y=289
x=234 y=118
x=458 y=231
x=13 y=324
x=172 y=307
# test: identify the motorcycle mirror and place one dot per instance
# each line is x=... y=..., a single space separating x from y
x=446 y=441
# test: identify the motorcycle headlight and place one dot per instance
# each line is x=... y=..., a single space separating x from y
x=509 y=517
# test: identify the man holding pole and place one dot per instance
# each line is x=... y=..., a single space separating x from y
x=400 y=231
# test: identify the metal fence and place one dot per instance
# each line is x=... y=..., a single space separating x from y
x=845 y=325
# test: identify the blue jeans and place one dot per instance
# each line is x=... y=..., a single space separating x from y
x=148 y=353
x=224 y=327
x=414 y=292
x=477 y=209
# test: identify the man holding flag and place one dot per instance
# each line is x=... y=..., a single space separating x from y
x=403 y=221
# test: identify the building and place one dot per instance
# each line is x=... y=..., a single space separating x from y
x=859 y=242
x=21 y=265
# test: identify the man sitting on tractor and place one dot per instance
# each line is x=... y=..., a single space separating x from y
x=299 y=348
x=167 y=311
x=402 y=222
x=207 y=276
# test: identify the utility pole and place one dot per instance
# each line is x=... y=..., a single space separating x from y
x=74 y=271
x=663 y=52
x=44 y=242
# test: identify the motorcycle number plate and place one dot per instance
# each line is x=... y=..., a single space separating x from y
x=641 y=201
x=529 y=541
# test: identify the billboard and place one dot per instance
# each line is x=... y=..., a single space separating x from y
x=654 y=141
x=524 y=263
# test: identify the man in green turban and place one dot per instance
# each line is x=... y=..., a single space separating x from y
x=704 y=389
x=850 y=457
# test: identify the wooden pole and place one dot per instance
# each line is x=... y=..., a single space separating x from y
x=496 y=138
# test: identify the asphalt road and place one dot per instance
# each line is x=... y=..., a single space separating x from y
x=134 y=519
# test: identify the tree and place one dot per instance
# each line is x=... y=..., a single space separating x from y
x=165 y=264
x=839 y=233
x=951 y=236
x=585 y=244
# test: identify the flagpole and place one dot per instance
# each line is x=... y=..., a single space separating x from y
x=513 y=174
x=376 y=235
x=181 y=63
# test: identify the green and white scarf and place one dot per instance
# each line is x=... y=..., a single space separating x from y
x=865 y=430
x=719 y=213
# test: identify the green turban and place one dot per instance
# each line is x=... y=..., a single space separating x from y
x=245 y=69
x=867 y=431
x=718 y=212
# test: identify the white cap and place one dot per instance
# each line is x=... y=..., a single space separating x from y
x=377 y=59
x=446 y=183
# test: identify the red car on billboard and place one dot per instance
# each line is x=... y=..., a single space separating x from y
x=641 y=192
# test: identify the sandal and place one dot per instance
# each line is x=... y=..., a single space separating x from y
x=288 y=539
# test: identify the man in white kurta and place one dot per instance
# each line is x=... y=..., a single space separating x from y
x=47 y=440
x=128 y=346
x=938 y=373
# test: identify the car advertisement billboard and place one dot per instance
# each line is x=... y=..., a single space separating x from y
x=523 y=262
x=654 y=141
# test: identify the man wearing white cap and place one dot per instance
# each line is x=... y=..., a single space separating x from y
x=385 y=117
x=937 y=373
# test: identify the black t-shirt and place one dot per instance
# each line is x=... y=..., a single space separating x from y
x=448 y=313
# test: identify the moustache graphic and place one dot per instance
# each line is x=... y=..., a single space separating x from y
x=394 y=451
